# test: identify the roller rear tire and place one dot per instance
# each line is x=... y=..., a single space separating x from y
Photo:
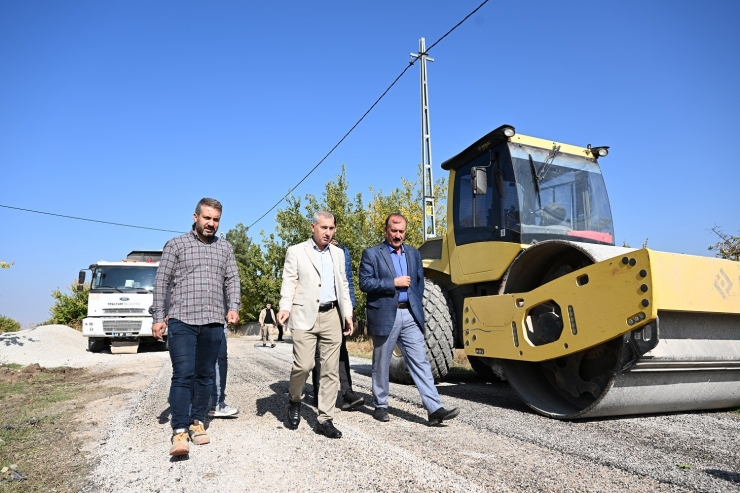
x=439 y=320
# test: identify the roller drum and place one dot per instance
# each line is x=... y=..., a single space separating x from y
x=680 y=362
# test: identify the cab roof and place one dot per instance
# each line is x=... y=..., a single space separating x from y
x=497 y=136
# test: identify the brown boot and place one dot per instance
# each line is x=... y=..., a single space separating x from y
x=180 y=442
x=198 y=433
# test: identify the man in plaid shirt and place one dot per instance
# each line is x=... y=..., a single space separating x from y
x=197 y=269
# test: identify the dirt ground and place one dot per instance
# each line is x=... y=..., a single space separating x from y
x=52 y=419
x=98 y=422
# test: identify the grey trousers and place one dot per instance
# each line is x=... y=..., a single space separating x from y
x=410 y=339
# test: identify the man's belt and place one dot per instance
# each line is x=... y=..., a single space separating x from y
x=404 y=306
x=325 y=307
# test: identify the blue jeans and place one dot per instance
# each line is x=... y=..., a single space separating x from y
x=218 y=395
x=410 y=339
x=193 y=351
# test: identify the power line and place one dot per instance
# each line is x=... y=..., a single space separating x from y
x=365 y=114
x=457 y=25
x=302 y=179
x=90 y=220
x=335 y=145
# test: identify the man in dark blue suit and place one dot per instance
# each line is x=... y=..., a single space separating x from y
x=392 y=275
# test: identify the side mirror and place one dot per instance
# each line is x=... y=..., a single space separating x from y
x=81 y=280
x=479 y=180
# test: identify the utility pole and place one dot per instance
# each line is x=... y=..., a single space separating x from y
x=430 y=228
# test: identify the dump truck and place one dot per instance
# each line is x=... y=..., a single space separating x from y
x=121 y=293
x=528 y=281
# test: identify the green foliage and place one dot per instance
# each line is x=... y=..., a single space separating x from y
x=728 y=248
x=627 y=245
x=69 y=309
x=35 y=411
x=358 y=227
x=257 y=281
x=408 y=201
x=8 y=324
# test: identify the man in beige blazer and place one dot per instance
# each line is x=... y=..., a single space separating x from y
x=315 y=299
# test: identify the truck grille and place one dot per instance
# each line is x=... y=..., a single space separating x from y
x=123 y=310
x=121 y=327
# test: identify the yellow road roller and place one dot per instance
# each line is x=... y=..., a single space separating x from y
x=528 y=281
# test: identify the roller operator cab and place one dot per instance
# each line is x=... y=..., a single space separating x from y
x=528 y=281
x=524 y=190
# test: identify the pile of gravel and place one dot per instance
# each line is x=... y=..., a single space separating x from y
x=52 y=346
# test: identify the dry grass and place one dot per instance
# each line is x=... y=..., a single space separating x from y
x=460 y=360
x=37 y=427
x=362 y=347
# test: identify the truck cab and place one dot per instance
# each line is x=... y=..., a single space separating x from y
x=121 y=293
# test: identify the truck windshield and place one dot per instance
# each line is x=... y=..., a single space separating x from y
x=561 y=197
x=123 y=278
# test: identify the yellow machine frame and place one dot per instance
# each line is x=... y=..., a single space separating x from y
x=601 y=302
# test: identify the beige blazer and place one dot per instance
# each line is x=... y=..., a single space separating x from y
x=263 y=314
x=300 y=293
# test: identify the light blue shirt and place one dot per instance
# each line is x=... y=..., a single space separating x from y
x=326 y=265
x=402 y=269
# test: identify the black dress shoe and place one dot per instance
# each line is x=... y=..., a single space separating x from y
x=381 y=414
x=327 y=428
x=442 y=414
x=294 y=415
x=351 y=401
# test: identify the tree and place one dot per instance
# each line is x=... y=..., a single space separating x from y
x=407 y=200
x=728 y=248
x=8 y=324
x=254 y=276
x=358 y=227
x=69 y=309
x=293 y=226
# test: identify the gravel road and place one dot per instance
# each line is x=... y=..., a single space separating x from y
x=496 y=444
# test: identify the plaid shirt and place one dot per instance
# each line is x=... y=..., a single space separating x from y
x=197 y=275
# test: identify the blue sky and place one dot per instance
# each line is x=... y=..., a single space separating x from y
x=130 y=112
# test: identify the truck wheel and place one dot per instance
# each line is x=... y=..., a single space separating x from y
x=439 y=320
x=95 y=344
x=484 y=371
x=163 y=345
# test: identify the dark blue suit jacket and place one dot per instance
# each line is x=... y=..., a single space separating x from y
x=376 y=279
